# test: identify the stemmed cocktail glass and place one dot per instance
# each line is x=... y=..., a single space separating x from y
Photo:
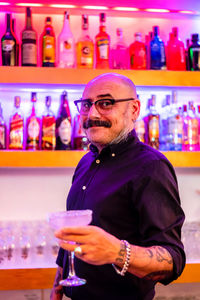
x=58 y=220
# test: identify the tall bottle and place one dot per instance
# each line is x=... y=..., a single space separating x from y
x=2 y=130
x=175 y=125
x=102 y=45
x=8 y=45
x=119 y=52
x=16 y=128
x=48 y=127
x=193 y=128
x=85 y=47
x=63 y=125
x=157 y=51
x=152 y=124
x=175 y=52
x=79 y=138
x=33 y=127
x=29 y=42
x=17 y=42
x=66 y=45
x=48 y=45
x=137 y=51
x=194 y=53
x=164 y=139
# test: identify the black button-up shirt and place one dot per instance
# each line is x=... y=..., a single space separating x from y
x=132 y=191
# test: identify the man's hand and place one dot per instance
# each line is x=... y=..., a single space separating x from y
x=98 y=246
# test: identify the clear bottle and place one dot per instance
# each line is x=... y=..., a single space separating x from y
x=2 y=130
x=194 y=53
x=175 y=52
x=164 y=115
x=137 y=51
x=175 y=125
x=8 y=45
x=66 y=45
x=157 y=51
x=152 y=124
x=85 y=47
x=119 y=52
x=63 y=125
x=16 y=128
x=102 y=45
x=193 y=128
x=48 y=45
x=186 y=119
x=33 y=127
x=79 y=138
x=48 y=127
x=29 y=42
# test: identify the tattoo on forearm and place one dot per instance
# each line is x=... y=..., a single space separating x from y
x=161 y=254
x=155 y=276
x=121 y=253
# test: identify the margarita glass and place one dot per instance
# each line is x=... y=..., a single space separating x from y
x=58 y=220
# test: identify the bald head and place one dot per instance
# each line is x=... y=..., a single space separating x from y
x=121 y=84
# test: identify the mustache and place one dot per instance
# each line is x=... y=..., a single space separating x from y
x=96 y=123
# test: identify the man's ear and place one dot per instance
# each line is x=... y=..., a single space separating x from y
x=135 y=105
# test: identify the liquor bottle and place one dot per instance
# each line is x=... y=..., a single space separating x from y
x=48 y=127
x=8 y=45
x=79 y=138
x=33 y=127
x=16 y=130
x=164 y=139
x=137 y=53
x=63 y=125
x=175 y=52
x=152 y=124
x=48 y=45
x=175 y=125
x=194 y=53
x=140 y=129
x=119 y=52
x=2 y=130
x=102 y=45
x=157 y=51
x=29 y=42
x=17 y=43
x=185 y=128
x=187 y=54
x=85 y=47
x=66 y=45
x=193 y=128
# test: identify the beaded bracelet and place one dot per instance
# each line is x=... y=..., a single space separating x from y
x=127 y=260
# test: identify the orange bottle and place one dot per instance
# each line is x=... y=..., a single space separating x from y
x=102 y=45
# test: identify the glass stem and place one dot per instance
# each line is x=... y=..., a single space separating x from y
x=71 y=264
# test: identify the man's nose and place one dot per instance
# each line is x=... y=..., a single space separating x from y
x=93 y=112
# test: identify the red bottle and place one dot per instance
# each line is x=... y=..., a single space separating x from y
x=102 y=45
x=175 y=52
x=137 y=53
x=48 y=127
x=16 y=132
x=33 y=128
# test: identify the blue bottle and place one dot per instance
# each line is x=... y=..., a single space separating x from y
x=157 y=51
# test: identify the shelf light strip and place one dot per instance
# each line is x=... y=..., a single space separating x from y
x=95 y=7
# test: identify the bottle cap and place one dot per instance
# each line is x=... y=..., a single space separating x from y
x=153 y=100
x=28 y=12
x=17 y=101
x=66 y=15
x=195 y=37
x=102 y=17
x=48 y=19
x=168 y=99
x=156 y=30
x=175 y=31
x=84 y=22
x=33 y=97
x=174 y=96
x=48 y=101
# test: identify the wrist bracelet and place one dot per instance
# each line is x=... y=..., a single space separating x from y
x=127 y=260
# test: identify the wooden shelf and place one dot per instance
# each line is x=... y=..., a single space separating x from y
x=69 y=159
x=37 y=75
x=20 y=279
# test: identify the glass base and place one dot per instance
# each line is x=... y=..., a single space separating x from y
x=72 y=281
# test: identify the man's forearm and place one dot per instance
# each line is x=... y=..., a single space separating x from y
x=57 y=291
x=153 y=263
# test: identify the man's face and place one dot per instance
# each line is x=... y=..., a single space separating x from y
x=119 y=119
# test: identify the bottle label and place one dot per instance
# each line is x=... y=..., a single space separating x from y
x=29 y=35
x=29 y=54
x=7 y=45
x=175 y=129
x=16 y=132
x=67 y=53
x=193 y=132
x=2 y=137
x=153 y=128
x=33 y=129
x=86 y=56
x=48 y=132
x=49 y=49
x=64 y=131
x=140 y=129
x=103 y=46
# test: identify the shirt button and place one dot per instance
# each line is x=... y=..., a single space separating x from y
x=83 y=187
x=98 y=161
x=113 y=154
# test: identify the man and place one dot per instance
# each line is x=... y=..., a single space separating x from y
x=134 y=239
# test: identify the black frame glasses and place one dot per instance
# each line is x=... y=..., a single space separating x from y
x=103 y=105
